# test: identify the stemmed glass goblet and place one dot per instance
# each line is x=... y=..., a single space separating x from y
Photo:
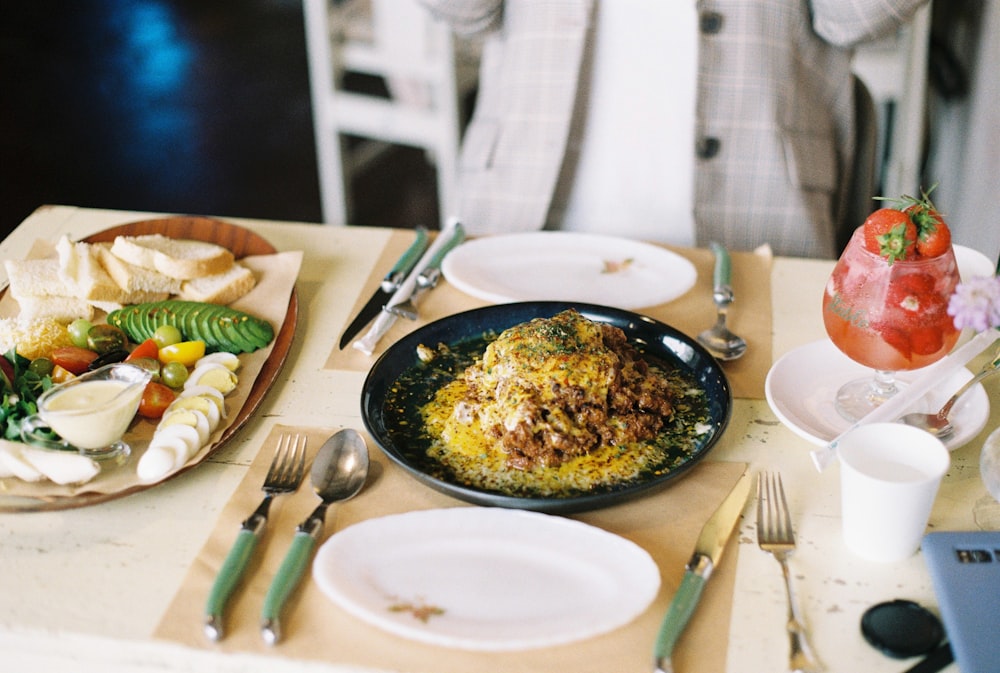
x=890 y=315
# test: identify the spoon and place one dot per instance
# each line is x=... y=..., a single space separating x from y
x=719 y=341
x=338 y=473
x=938 y=424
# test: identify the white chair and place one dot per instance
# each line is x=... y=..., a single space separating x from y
x=427 y=71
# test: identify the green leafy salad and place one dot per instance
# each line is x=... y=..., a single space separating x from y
x=22 y=385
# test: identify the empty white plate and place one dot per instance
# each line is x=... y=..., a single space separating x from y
x=480 y=578
x=564 y=266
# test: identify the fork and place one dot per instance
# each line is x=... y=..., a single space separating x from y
x=283 y=476
x=775 y=536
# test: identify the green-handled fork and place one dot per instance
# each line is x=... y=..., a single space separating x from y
x=283 y=476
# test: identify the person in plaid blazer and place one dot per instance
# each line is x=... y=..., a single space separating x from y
x=774 y=119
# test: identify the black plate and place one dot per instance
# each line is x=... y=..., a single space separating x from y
x=654 y=339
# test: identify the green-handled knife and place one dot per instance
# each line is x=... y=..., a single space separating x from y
x=429 y=275
x=393 y=279
x=707 y=552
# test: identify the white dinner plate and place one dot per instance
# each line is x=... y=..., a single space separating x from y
x=564 y=266
x=486 y=579
x=802 y=384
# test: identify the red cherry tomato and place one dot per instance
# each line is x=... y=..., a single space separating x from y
x=8 y=369
x=73 y=358
x=156 y=397
x=147 y=349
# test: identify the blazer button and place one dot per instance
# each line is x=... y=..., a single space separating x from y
x=711 y=22
x=707 y=147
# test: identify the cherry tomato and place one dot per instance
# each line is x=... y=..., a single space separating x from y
x=186 y=352
x=151 y=365
x=41 y=366
x=156 y=397
x=78 y=330
x=8 y=368
x=166 y=335
x=73 y=358
x=60 y=375
x=147 y=349
x=174 y=374
x=106 y=338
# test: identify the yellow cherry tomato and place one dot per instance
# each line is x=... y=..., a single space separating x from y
x=60 y=375
x=184 y=352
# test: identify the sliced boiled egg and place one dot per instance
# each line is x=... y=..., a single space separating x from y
x=158 y=461
x=206 y=391
x=192 y=417
x=215 y=375
x=202 y=403
x=188 y=435
x=229 y=360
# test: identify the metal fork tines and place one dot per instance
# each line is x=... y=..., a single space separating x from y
x=426 y=280
x=283 y=476
x=775 y=536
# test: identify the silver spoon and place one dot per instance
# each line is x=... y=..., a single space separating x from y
x=338 y=473
x=938 y=424
x=718 y=339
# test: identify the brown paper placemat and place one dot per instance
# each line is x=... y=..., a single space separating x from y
x=749 y=315
x=665 y=524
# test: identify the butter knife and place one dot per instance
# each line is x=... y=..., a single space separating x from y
x=448 y=238
x=392 y=281
x=427 y=279
x=707 y=553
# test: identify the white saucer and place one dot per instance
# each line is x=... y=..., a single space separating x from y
x=801 y=386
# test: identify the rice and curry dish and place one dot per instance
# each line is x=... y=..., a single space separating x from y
x=552 y=407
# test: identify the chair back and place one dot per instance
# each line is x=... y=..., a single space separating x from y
x=859 y=194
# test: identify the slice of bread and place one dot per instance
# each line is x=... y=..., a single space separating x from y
x=41 y=293
x=183 y=259
x=84 y=275
x=133 y=278
x=220 y=288
x=62 y=309
x=35 y=278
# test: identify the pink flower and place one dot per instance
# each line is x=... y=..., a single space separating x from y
x=976 y=303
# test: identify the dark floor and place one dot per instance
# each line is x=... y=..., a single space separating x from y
x=188 y=106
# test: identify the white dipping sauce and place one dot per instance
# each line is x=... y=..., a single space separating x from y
x=92 y=414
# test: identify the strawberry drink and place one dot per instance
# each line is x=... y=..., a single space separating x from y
x=885 y=305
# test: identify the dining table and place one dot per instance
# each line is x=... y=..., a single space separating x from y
x=120 y=584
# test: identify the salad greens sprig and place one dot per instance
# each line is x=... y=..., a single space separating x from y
x=21 y=389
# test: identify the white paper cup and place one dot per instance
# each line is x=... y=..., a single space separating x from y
x=889 y=476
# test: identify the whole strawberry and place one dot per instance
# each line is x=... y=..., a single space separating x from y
x=890 y=233
x=933 y=235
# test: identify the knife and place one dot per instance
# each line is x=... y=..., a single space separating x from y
x=428 y=277
x=707 y=553
x=393 y=279
x=448 y=237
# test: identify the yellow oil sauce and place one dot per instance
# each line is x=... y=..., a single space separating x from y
x=475 y=459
